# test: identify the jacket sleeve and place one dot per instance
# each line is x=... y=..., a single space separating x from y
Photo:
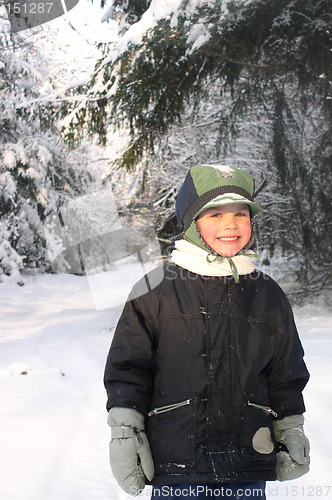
x=130 y=366
x=287 y=374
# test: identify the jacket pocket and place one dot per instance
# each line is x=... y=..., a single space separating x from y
x=258 y=438
x=171 y=429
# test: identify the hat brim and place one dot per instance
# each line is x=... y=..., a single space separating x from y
x=230 y=199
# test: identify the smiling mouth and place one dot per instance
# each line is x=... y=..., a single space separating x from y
x=233 y=238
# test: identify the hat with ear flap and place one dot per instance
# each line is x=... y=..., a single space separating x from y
x=207 y=186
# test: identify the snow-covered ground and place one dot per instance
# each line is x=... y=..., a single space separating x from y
x=54 y=436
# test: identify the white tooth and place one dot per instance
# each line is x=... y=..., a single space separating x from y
x=229 y=239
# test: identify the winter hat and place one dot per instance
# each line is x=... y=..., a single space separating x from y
x=208 y=186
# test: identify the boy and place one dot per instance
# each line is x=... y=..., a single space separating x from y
x=207 y=367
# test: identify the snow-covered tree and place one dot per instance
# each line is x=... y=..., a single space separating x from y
x=37 y=171
x=164 y=58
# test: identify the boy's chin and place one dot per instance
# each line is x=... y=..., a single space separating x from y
x=228 y=252
x=227 y=255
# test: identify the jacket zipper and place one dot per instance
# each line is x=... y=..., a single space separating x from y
x=267 y=409
x=164 y=409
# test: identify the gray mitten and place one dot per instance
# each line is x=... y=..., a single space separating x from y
x=293 y=460
x=130 y=455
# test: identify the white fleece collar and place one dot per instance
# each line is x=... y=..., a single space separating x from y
x=199 y=261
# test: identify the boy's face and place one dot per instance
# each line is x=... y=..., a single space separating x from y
x=226 y=228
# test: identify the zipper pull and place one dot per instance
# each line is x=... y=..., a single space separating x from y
x=138 y=435
x=267 y=409
x=167 y=408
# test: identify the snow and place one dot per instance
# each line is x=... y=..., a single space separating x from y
x=198 y=36
x=167 y=9
x=224 y=169
x=70 y=42
x=54 y=345
x=9 y=159
x=158 y=9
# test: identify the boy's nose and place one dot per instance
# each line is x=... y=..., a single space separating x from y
x=230 y=223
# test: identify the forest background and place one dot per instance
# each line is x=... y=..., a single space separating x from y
x=99 y=129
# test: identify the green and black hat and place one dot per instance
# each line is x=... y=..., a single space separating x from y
x=208 y=186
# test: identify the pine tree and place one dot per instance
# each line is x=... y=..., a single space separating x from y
x=246 y=45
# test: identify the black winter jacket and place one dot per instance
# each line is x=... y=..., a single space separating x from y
x=210 y=364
